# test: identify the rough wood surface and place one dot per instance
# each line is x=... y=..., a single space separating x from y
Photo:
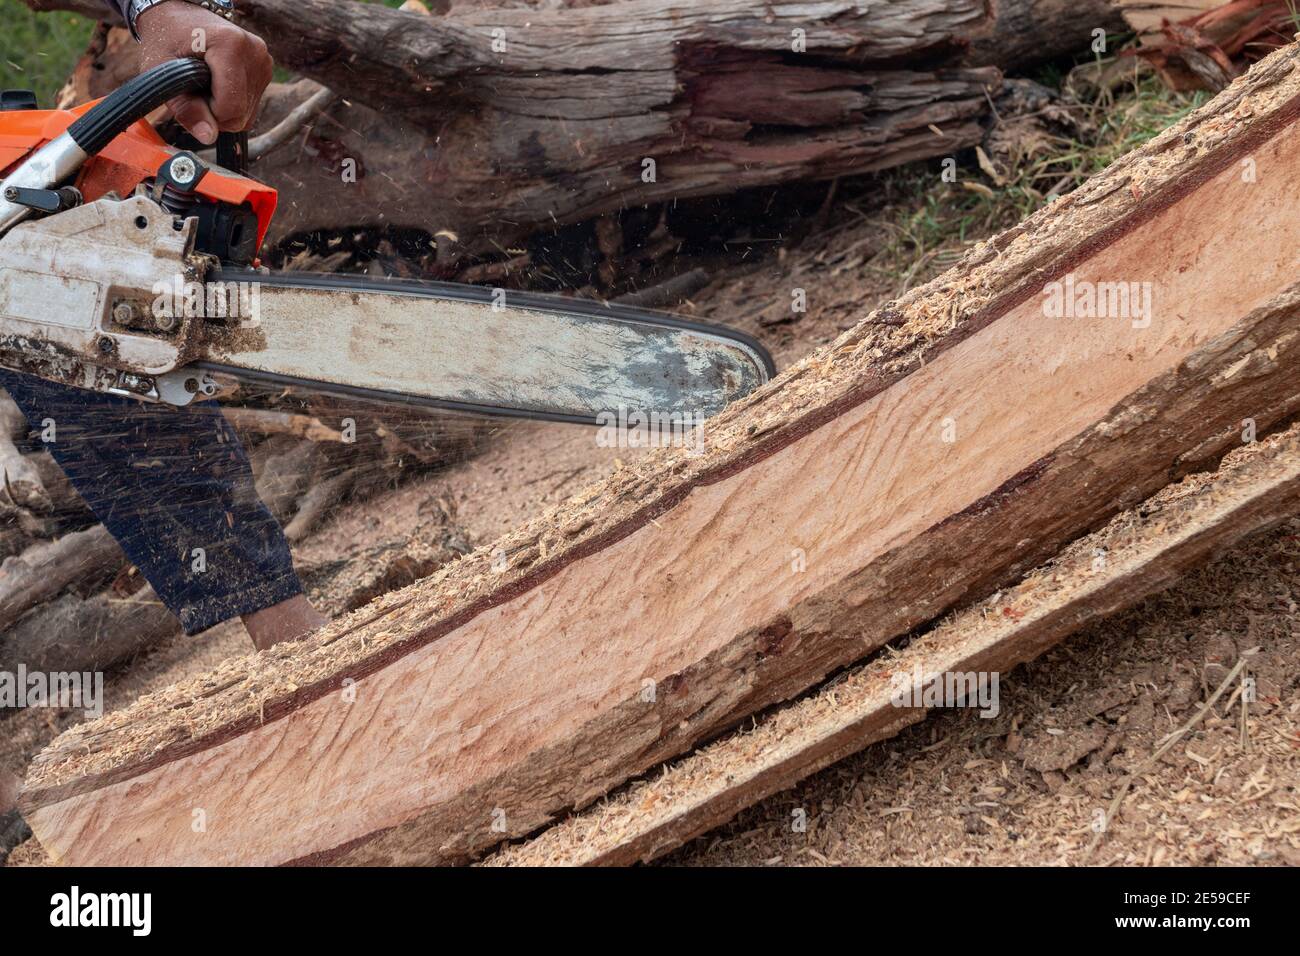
x=1140 y=552
x=72 y=633
x=628 y=51
x=1025 y=32
x=490 y=123
x=45 y=570
x=455 y=53
x=511 y=685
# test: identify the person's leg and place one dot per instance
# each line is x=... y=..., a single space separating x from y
x=286 y=621
x=175 y=489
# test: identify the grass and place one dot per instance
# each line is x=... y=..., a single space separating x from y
x=38 y=50
x=936 y=221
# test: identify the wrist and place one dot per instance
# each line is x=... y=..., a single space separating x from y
x=137 y=11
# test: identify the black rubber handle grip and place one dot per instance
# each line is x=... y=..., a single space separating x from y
x=136 y=100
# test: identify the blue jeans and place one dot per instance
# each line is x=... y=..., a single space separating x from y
x=174 y=487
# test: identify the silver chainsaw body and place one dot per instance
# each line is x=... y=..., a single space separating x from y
x=79 y=294
x=112 y=296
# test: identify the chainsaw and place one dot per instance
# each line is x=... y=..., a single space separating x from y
x=131 y=267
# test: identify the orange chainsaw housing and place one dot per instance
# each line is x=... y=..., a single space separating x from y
x=134 y=157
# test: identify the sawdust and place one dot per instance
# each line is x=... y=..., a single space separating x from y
x=646 y=809
x=884 y=345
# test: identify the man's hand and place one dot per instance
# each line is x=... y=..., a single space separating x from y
x=241 y=66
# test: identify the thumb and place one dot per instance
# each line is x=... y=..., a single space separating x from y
x=193 y=113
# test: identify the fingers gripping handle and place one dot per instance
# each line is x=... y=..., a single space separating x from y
x=60 y=158
x=136 y=100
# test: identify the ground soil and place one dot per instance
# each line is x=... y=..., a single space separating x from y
x=1022 y=788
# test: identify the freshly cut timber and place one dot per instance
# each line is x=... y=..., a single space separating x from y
x=1141 y=552
x=949 y=443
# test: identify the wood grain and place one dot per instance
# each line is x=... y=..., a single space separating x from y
x=1145 y=550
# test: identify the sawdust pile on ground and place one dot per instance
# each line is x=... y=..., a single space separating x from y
x=888 y=342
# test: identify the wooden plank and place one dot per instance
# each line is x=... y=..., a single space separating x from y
x=947 y=444
x=1140 y=552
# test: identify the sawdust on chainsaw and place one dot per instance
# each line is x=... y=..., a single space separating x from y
x=1126 y=542
x=886 y=343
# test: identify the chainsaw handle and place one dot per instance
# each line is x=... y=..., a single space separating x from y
x=135 y=100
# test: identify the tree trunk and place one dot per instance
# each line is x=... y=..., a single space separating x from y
x=487 y=124
x=78 y=634
x=937 y=451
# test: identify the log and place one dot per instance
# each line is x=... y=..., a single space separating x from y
x=44 y=570
x=940 y=449
x=72 y=633
x=1140 y=553
x=356 y=54
x=1025 y=33
x=447 y=133
x=20 y=481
